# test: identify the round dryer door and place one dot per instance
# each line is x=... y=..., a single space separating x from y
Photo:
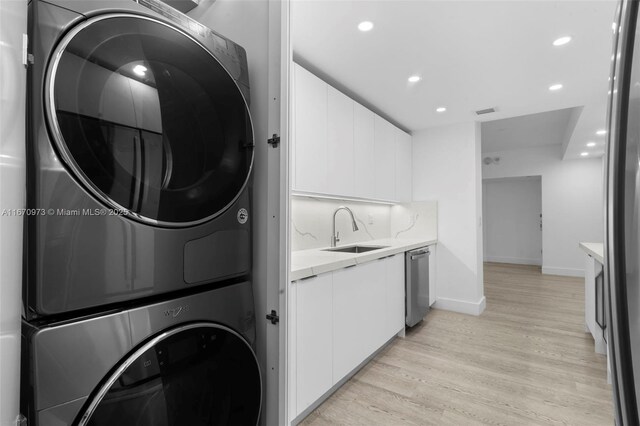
x=148 y=120
x=197 y=375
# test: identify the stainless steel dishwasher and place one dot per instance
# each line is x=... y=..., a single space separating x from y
x=416 y=285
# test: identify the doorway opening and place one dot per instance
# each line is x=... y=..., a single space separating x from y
x=512 y=212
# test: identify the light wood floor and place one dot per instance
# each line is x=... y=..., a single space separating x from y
x=525 y=361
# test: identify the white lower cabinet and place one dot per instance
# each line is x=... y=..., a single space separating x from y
x=341 y=319
x=395 y=312
x=314 y=339
x=349 y=320
x=432 y=273
x=358 y=315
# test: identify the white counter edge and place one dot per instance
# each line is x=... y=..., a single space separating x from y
x=350 y=259
x=595 y=250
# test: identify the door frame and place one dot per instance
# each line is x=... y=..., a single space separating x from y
x=278 y=210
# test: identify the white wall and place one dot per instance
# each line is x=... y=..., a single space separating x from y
x=511 y=211
x=572 y=203
x=247 y=23
x=13 y=23
x=446 y=168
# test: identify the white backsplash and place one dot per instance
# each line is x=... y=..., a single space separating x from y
x=311 y=220
x=415 y=220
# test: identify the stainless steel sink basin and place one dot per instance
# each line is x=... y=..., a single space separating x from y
x=355 y=249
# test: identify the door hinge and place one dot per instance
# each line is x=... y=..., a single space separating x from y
x=273 y=317
x=274 y=141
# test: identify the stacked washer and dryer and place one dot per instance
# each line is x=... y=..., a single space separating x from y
x=138 y=301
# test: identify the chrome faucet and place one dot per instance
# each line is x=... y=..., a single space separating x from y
x=335 y=236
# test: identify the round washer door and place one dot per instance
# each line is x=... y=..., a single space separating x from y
x=198 y=374
x=148 y=120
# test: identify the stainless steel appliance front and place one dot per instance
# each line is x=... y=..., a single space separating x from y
x=416 y=285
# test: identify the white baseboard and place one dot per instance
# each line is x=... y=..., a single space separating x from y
x=461 y=306
x=567 y=272
x=514 y=260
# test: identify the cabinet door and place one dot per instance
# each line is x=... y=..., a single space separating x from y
x=358 y=315
x=349 y=319
x=395 y=295
x=377 y=304
x=403 y=166
x=310 y=138
x=590 y=294
x=314 y=351
x=432 y=273
x=364 y=152
x=340 y=143
x=385 y=159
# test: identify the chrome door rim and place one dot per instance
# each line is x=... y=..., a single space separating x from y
x=95 y=401
x=77 y=172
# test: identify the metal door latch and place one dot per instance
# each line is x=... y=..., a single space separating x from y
x=274 y=141
x=273 y=317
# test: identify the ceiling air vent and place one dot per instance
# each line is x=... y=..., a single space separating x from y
x=485 y=111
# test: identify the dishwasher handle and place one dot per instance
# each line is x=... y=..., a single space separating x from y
x=419 y=254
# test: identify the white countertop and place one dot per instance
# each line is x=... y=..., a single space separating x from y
x=305 y=263
x=596 y=250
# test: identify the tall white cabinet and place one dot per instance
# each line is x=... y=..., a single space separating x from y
x=404 y=153
x=310 y=131
x=364 y=151
x=385 y=159
x=340 y=153
x=341 y=148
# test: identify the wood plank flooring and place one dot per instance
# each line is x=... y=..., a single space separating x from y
x=525 y=361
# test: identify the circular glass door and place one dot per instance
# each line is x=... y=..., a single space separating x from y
x=197 y=375
x=148 y=120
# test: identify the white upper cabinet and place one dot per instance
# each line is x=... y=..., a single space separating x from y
x=340 y=165
x=364 y=164
x=385 y=159
x=404 y=171
x=341 y=148
x=310 y=104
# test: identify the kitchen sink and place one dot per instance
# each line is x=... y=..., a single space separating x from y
x=355 y=249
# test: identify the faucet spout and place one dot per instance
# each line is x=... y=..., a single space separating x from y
x=335 y=236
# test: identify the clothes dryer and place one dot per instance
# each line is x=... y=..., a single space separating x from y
x=140 y=153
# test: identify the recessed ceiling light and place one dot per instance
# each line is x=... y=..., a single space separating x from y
x=555 y=87
x=561 y=41
x=584 y=154
x=414 y=79
x=365 y=26
x=140 y=70
x=591 y=144
x=601 y=132
x=441 y=109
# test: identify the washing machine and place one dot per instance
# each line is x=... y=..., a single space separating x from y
x=140 y=151
x=189 y=361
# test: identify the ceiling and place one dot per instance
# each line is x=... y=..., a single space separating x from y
x=541 y=129
x=470 y=55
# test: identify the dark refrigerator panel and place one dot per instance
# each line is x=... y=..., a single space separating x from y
x=622 y=243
